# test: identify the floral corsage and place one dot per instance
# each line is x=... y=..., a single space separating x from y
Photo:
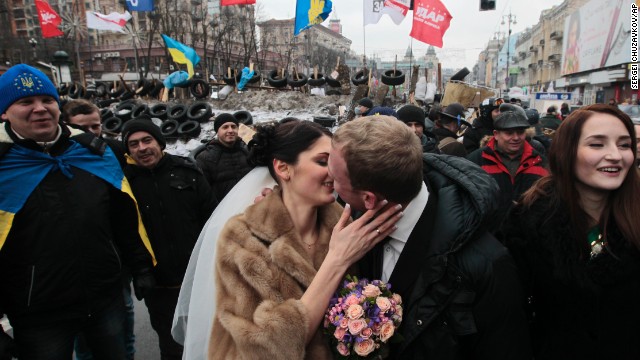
x=362 y=319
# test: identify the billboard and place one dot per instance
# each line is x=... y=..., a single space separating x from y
x=597 y=35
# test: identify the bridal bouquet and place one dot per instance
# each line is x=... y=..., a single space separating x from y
x=362 y=317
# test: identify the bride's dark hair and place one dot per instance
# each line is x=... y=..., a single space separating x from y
x=283 y=140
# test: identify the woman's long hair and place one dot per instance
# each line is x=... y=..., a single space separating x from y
x=622 y=205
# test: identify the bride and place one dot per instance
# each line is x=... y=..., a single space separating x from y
x=278 y=263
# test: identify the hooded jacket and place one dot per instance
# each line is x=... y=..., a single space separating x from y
x=224 y=166
x=175 y=202
x=64 y=252
x=465 y=302
x=582 y=307
x=262 y=271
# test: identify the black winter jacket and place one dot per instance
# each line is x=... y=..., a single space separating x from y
x=473 y=136
x=429 y=143
x=64 y=253
x=223 y=167
x=465 y=300
x=175 y=201
x=532 y=167
x=585 y=308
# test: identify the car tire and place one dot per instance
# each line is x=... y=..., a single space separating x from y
x=159 y=111
x=177 y=112
x=112 y=125
x=139 y=110
x=125 y=110
x=297 y=81
x=274 y=80
x=190 y=129
x=243 y=117
x=169 y=128
x=199 y=89
x=106 y=113
x=316 y=82
x=200 y=111
x=360 y=78
x=392 y=78
x=255 y=78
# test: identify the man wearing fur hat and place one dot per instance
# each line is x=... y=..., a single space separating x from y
x=175 y=202
x=509 y=158
x=224 y=161
x=67 y=221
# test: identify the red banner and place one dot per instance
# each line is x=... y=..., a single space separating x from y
x=430 y=21
x=236 y=2
x=49 y=20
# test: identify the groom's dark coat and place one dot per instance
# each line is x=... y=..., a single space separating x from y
x=460 y=290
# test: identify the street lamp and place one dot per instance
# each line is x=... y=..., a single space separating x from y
x=511 y=19
x=33 y=42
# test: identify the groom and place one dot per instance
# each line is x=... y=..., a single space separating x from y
x=460 y=290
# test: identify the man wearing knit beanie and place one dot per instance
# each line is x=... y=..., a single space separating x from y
x=36 y=115
x=225 y=159
x=65 y=218
x=175 y=201
x=414 y=117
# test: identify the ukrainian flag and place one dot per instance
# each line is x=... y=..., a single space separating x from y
x=311 y=12
x=22 y=170
x=182 y=54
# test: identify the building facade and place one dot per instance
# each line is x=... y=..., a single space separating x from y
x=581 y=47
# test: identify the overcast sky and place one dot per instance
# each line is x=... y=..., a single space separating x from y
x=468 y=34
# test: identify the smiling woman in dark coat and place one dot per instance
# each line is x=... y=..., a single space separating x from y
x=575 y=236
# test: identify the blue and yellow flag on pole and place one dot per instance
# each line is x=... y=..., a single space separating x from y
x=182 y=54
x=311 y=12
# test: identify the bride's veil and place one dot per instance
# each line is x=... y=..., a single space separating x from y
x=193 y=317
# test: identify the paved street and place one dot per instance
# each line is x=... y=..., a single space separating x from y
x=146 y=338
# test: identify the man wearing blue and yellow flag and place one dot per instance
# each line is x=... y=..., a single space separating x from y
x=68 y=222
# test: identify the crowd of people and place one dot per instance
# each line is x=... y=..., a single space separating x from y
x=508 y=236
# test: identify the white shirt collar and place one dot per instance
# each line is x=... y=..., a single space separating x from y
x=412 y=214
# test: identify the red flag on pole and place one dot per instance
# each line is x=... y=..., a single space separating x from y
x=49 y=20
x=236 y=2
x=430 y=21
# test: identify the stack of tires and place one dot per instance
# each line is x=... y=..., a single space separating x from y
x=177 y=120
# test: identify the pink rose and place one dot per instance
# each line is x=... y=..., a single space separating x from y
x=365 y=347
x=351 y=285
x=371 y=291
x=383 y=303
x=386 y=331
x=397 y=298
x=354 y=312
x=339 y=333
x=352 y=299
x=343 y=349
x=356 y=326
x=344 y=323
x=366 y=333
x=399 y=311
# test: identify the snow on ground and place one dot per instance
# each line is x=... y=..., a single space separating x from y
x=264 y=105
